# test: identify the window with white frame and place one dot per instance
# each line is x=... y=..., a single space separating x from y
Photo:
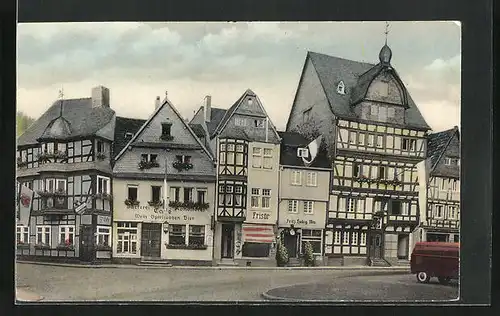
x=240 y=121
x=43 y=235
x=354 y=238
x=222 y=157
x=351 y=204
x=103 y=236
x=66 y=234
x=370 y=140
x=408 y=144
x=55 y=185
x=454 y=185
x=314 y=237
x=293 y=206
x=337 y=237
x=257 y=157
x=239 y=156
x=452 y=212
x=361 y=139
x=357 y=170
x=238 y=195
x=382 y=114
x=201 y=195
x=438 y=211
x=177 y=235
x=312 y=179
x=22 y=234
x=103 y=186
x=362 y=241
x=259 y=123
x=196 y=235
x=380 y=141
x=296 y=177
x=254 y=201
x=451 y=161
x=391 y=112
x=308 y=207
x=374 y=110
x=266 y=198
x=229 y=195
x=345 y=238
x=341 y=88
x=405 y=208
x=230 y=157
x=268 y=158
x=352 y=137
x=444 y=185
x=126 y=238
x=230 y=147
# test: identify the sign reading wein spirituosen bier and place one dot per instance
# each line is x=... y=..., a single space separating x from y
x=160 y=215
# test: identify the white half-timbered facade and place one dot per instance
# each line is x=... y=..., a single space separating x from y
x=375 y=136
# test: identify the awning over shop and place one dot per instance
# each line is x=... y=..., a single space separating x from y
x=258 y=233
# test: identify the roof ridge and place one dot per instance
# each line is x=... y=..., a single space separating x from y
x=342 y=58
x=443 y=150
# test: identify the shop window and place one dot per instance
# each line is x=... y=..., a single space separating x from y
x=103 y=236
x=177 y=235
x=313 y=236
x=127 y=238
x=196 y=235
x=255 y=250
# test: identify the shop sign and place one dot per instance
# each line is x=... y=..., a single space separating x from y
x=261 y=217
x=103 y=220
x=299 y=222
x=148 y=213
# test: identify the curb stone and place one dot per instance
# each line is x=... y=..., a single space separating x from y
x=142 y=266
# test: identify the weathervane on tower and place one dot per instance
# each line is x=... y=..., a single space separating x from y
x=386 y=31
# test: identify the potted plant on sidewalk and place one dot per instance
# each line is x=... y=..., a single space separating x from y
x=308 y=254
x=282 y=257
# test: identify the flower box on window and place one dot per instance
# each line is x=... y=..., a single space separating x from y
x=23 y=245
x=148 y=164
x=100 y=156
x=179 y=165
x=103 y=196
x=59 y=192
x=65 y=246
x=102 y=247
x=21 y=163
x=167 y=137
x=155 y=204
x=183 y=246
x=131 y=202
x=189 y=205
x=46 y=156
x=42 y=246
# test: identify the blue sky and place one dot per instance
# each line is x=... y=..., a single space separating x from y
x=138 y=61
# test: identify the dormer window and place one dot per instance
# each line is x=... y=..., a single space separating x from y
x=259 y=123
x=306 y=115
x=341 y=88
x=250 y=101
x=166 y=129
x=128 y=135
x=452 y=161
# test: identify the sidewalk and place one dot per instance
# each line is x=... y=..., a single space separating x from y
x=134 y=266
x=27 y=296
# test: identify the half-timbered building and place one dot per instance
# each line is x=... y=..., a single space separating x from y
x=375 y=135
x=164 y=188
x=64 y=157
x=246 y=145
x=303 y=196
x=440 y=189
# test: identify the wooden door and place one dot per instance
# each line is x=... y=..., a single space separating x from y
x=291 y=245
x=151 y=240
x=87 y=242
x=227 y=241
x=376 y=246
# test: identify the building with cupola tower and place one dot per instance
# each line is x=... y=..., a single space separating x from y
x=64 y=157
x=375 y=135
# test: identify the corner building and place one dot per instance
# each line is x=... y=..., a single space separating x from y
x=247 y=146
x=375 y=136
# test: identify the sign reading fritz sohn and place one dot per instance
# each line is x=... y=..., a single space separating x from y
x=172 y=215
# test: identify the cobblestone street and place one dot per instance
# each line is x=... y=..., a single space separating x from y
x=55 y=283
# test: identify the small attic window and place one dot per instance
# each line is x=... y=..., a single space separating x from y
x=166 y=129
x=128 y=135
x=250 y=101
x=341 y=88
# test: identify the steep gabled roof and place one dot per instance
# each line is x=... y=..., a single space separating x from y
x=198 y=129
x=166 y=102
x=290 y=142
x=123 y=126
x=83 y=119
x=216 y=115
x=229 y=113
x=356 y=76
x=437 y=146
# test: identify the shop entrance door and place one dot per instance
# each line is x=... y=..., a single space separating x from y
x=227 y=241
x=151 y=240
x=376 y=246
x=291 y=245
x=86 y=243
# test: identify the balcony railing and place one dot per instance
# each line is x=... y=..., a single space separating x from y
x=53 y=200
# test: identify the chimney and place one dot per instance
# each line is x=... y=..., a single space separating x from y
x=157 y=102
x=100 y=97
x=207 y=109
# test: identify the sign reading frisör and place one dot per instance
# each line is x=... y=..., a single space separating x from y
x=160 y=215
x=264 y=217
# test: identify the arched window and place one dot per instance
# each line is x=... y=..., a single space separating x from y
x=341 y=88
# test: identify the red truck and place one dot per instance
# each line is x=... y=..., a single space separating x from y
x=435 y=259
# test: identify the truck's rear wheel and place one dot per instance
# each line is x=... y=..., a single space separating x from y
x=444 y=280
x=423 y=277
